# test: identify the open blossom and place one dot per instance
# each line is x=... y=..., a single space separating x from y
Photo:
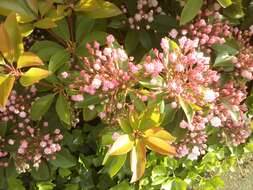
x=194 y=154
x=216 y=122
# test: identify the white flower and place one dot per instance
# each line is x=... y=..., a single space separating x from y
x=209 y=95
x=251 y=28
x=194 y=154
x=216 y=122
x=165 y=44
x=173 y=33
x=122 y=55
x=96 y=83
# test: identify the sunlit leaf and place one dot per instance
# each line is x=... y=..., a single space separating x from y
x=33 y=4
x=138 y=161
x=121 y=146
x=33 y=75
x=6 y=84
x=6 y=47
x=159 y=145
x=14 y=34
x=45 y=6
x=28 y=59
x=225 y=3
x=159 y=133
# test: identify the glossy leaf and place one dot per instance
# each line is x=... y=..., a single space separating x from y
x=62 y=108
x=14 y=34
x=58 y=60
x=6 y=84
x=41 y=106
x=159 y=133
x=101 y=9
x=28 y=59
x=190 y=10
x=235 y=10
x=159 y=145
x=33 y=75
x=138 y=161
x=121 y=146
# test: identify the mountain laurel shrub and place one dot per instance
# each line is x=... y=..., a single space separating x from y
x=124 y=94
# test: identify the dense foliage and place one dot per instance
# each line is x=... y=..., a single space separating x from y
x=133 y=94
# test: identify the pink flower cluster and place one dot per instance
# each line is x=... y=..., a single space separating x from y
x=29 y=144
x=147 y=9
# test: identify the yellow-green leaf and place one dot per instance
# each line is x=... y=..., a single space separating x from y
x=33 y=4
x=159 y=145
x=121 y=146
x=14 y=34
x=28 y=59
x=159 y=133
x=45 y=6
x=45 y=23
x=189 y=112
x=138 y=161
x=6 y=84
x=125 y=125
x=33 y=75
x=114 y=164
x=5 y=46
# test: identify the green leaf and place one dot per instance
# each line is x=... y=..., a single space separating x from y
x=140 y=106
x=6 y=85
x=33 y=5
x=64 y=159
x=33 y=75
x=145 y=39
x=15 y=184
x=3 y=128
x=83 y=27
x=225 y=3
x=8 y=6
x=42 y=173
x=62 y=108
x=45 y=23
x=125 y=125
x=58 y=60
x=28 y=59
x=103 y=9
x=131 y=40
x=44 y=6
x=41 y=106
x=190 y=10
x=62 y=29
x=114 y=164
x=98 y=36
x=223 y=60
x=45 y=186
x=122 y=186
x=14 y=34
x=45 y=49
x=224 y=48
x=235 y=10
x=189 y=112
x=89 y=114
